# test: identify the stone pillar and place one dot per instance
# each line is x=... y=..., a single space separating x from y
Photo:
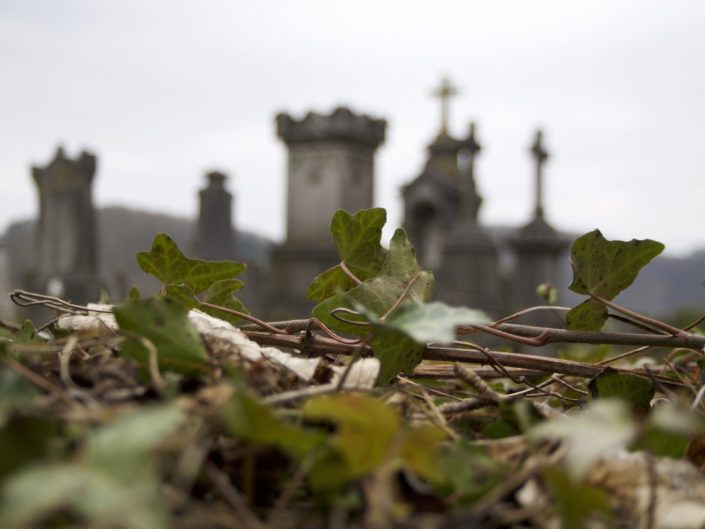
x=67 y=247
x=215 y=237
x=330 y=166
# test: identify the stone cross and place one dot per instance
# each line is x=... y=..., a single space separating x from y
x=540 y=156
x=444 y=93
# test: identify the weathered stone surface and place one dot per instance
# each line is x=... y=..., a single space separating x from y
x=215 y=236
x=330 y=167
x=67 y=256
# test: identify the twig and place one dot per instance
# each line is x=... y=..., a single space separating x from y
x=675 y=331
x=472 y=378
x=356 y=354
x=64 y=362
x=242 y=315
x=698 y=398
x=232 y=497
x=553 y=335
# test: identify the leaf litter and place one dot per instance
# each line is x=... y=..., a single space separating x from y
x=155 y=414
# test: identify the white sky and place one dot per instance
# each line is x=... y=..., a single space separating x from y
x=163 y=90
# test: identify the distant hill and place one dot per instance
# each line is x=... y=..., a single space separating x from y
x=122 y=233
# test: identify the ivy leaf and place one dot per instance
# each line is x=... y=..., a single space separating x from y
x=166 y=262
x=603 y=425
x=31 y=495
x=220 y=293
x=420 y=450
x=27 y=334
x=432 y=322
x=365 y=428
x=396 y=353
x=400 y=274
x=604 y=268
x=358 y=239
x=166 y=325
x=399 y=282
x=635 y=390
x=136 y=434
x=252 y=421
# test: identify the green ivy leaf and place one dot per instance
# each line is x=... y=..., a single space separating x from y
x=399 y=276
x=432 y=322
x=419 y=450
x=166 y=262
x=166 y=325
x=358 y=239
x=635 y=390
x=27 y=334
x=252 y=421
x=365 y=428
x=31 y=495
x=604 y=268
x=220 y=293
x=396 y=353
x=136 y=434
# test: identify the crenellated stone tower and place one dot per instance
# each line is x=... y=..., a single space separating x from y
x=215 y=236
x=440 y=215
x=330 y=166
x=67 y=248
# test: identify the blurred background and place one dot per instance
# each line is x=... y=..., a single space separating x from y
x=162 y=92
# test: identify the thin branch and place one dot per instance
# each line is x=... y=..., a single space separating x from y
x=675 y=331
x=243 y=315
x=553 y=335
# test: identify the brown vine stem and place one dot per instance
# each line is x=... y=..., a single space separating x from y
x=551 y=335
x=321 y=345
x=675 y=331
x=349 y=273
x=401 y=297
x=243 y=315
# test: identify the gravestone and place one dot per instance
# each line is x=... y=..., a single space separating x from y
x=66 y=262
x=440 y=216
x=215 y=236
x=539 y=247
x=330 y=166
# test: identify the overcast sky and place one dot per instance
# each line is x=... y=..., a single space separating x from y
x=164 y=90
